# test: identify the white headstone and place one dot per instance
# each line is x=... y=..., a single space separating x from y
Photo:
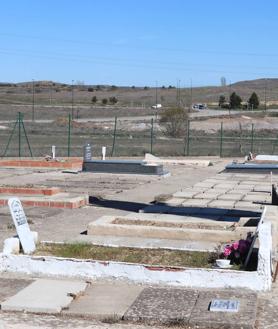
x=53 y=150
x=103 y=151
x=224 y=305
x=22 y=227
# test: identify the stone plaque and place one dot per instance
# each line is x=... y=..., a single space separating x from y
x=224 y=305
x=87 y=152
x=22 y=227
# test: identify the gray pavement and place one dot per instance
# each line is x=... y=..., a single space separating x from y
x=114 y=304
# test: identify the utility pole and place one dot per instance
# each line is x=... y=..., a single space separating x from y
x=178 y=98
x=33 y=100
x=156 y=93
x=72 y=98
x=51 y=91
x=191 y=94
x=265 y=95
x=230 y=93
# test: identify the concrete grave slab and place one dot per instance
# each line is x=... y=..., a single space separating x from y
x=225 y=186
x=44 y=296
x=244 y=187
x=220 y=191
x=174 y=202
x=162 y=305
x=210 y=194
x=10 y=287
x=204 y=185
x=158 y=228
x=196 y=203
x=248 y=205
x=244 y=319
x=231 y=196
x=262 y=188
x=105 y=300
x=185 y=194
x=222 y=204
x=257 y=197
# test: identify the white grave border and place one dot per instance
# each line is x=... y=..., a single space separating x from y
x=259 y=280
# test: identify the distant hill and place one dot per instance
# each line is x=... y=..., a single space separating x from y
x=131 y=95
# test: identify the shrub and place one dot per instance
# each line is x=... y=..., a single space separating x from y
x=94 y=99
x=113 y=100
x=222 y=100
x=174 y=121
x=104 y=101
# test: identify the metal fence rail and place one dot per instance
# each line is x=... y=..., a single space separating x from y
x=36 y=139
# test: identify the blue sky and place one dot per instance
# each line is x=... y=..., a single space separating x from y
x=129 y=42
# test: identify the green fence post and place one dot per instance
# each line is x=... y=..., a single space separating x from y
x=26 y=136
x=188 y=138
x=221 y=140
x=69 y=135
x=19 y=134
x=114 y=137
x=152 y=136
x=252 y=137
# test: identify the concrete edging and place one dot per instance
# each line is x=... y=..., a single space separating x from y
x=259 y=280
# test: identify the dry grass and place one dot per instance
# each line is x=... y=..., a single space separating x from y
x=163 y=257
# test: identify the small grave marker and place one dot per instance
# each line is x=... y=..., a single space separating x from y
x=87 y=152
x=224 y=305
x=22 y=227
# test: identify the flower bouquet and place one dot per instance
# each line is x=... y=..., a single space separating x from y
x=237 y=251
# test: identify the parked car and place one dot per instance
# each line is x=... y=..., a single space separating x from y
x=199 y=106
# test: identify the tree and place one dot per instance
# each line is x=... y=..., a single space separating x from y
x=235 y=101
x=113 y=100
x=113 y=87
x=104 y=101
x=254 y=101
x=174 y=121
x=222 y=100
x=94 y=99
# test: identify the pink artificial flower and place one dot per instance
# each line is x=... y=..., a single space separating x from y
x=235 y=245
x=227 y=251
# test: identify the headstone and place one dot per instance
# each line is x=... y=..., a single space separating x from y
x=87 y=152
x=20 y=221
x=103 y=151
x=224 y=305
x=53 y=149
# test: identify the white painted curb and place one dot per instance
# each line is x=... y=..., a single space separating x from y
x=259 y=280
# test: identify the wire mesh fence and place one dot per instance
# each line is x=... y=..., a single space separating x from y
x=69 y=136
